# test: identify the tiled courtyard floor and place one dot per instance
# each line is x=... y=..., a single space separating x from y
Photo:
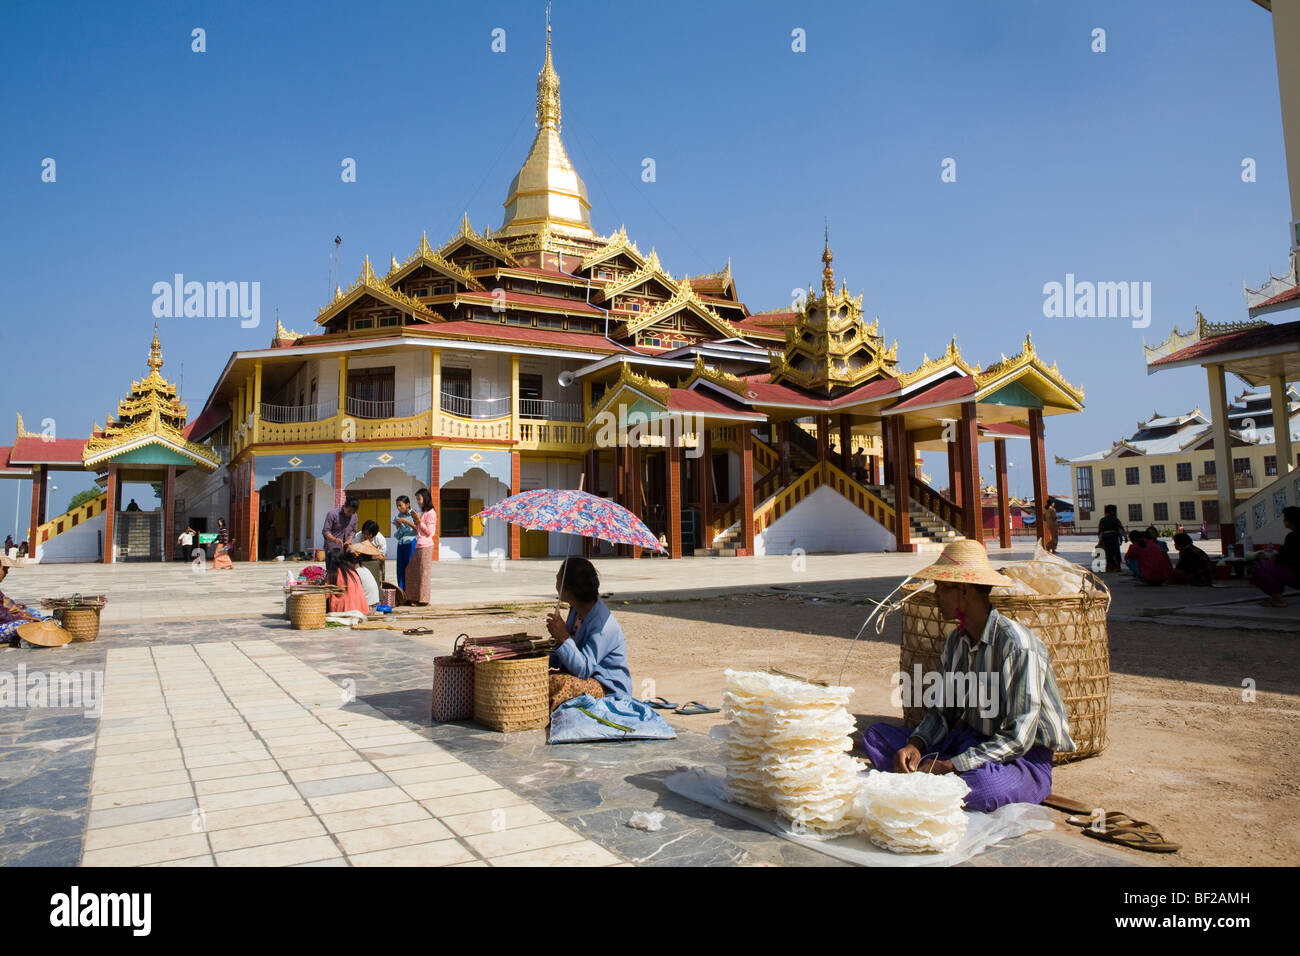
x=243 y=742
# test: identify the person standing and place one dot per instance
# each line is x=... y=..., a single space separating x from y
x=418 y=573
x=1051 y=529
x=404 y=532
x=221 y=554
x=339 y=528
x=1110 y=532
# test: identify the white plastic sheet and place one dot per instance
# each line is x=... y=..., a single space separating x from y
x=982 y=829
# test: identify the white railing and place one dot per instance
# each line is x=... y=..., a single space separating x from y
x=549 y=410
x=292 y=414
x=403 y=408
x=475 y=407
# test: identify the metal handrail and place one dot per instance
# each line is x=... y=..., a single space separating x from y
x=550 y=410
x=481 y=408
x=293 y=414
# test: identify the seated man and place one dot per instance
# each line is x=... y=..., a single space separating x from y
x=592 y=654
x=1194 y=565
x=1147 y=560
x=1001 y=745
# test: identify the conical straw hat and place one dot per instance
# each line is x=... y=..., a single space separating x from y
x=44 y=634
x=963 y=562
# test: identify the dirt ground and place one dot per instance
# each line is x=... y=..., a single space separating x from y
x=1186 y=752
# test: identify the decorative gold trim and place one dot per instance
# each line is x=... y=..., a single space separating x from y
x=282 y=333
x=1201 y=329
x=651 y=269
x=951 y=358
x=466 y=234
x=617 y=243
x=1028 y=359
x=23 y=432
x=684 y=297
x=715 y=375
x=425 y=254
x=369 y=284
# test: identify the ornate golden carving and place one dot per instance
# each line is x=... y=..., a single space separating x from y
x=1201 y=329
x=22 y=432
x=617 y=243
x=684 y=297
x=282 y=333
x=425 y=255
x=951 y=358
x=467 y=235
x=650 y=386
x=369 y=284
x=1028 y=359
x=715 y=375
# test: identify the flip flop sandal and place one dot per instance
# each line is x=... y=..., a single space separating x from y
x=693 y=708
x=1149 y=841
x=660 y=703
x=1116 y=818
x=1066 y=805
x=418 y=631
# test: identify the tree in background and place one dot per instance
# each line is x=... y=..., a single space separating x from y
x=81 y=497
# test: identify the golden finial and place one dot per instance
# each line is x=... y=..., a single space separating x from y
x=338 y=292
x=424 y=249
x=828 y=274
x=368 y=273
x=466 y=229
x=155 y=351
x=22 y=432
x=548 y=87
x=392 y=264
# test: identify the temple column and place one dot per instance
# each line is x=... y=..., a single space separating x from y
x=343 y=388
x=435 y=390
x=1004 y=503
x=706 y=487
x=254 y=508
x=39 y=475
x=1222 y=457
x=114 y=493
x=514 y=487
x=846 y=445
x=169 y=513
x=620 y=486
x=514 y=399
x=633 y=505
x=257 y=399
x=972 y=509
x=886 y=451
x=823 y=444
x=435 y=482
x=954 y=471
x=897 y=456
x=1038 y=463
x=1281 y=424
x=673 y=458
x=783 y=446
x=591 y=467
x=746 y=491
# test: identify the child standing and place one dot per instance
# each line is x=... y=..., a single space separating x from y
x=404 y=525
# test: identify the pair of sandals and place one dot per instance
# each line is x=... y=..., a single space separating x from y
x=691 y=708
x=1116 y=827
x=418 y=631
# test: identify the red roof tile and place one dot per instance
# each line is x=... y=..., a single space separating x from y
x=4 y=460
x=206 y=424
x=688 y=400
x=1287 y=296
x=34 y=449
x=1267 y=336
x=949 y=390
x=527 y=298
x=766 y=392
x=1006 y=429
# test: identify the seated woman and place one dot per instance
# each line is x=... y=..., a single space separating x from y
x=1147 y=560
x=345 y=573
x=1272 y=576
x=12 y=614
x=592 y=654
x=371 y=551
x=1194 y=565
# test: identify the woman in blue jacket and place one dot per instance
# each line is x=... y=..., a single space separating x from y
x=592 y=652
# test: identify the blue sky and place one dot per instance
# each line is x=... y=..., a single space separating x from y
x=224 y=165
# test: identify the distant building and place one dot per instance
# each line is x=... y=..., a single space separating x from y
x=1165 y=472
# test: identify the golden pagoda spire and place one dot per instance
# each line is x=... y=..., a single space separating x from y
x=548 y=87
x=547 y=193
x=828 y=274
x=155 y=351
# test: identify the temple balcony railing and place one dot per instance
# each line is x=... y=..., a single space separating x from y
x=399 y=408
x=552 y=435
x=289 y=414
x=462 y=406
x=550 y=410
x=450 y=425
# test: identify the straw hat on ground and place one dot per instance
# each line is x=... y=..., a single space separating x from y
x=8 y=562
x=963 y=562
x=44 y=634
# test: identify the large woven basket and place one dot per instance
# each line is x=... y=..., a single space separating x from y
x=453 y=686
x=1073 y=627
x=513 y=694
x=306 y=611
x=81 y=622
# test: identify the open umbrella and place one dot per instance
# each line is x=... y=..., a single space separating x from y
x=571 y=511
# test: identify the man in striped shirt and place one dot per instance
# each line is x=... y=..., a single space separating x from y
x=994 y=716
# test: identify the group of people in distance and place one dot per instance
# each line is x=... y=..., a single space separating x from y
x=346 y=549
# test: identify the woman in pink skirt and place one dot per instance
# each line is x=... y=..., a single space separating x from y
x=420 y=570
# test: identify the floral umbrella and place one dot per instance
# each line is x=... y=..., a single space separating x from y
x=573 y=512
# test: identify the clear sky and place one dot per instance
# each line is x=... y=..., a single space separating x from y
x=225 y=166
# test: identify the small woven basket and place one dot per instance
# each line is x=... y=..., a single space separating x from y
x=513 y=694
x=1072 y=626
x=81 y=622
x=306 y=611
x=453 y=686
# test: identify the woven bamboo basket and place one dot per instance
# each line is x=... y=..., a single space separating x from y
x=306 y=611
x=453 y=686
x=81 y=622
x=513 y=694
x=1072 y=626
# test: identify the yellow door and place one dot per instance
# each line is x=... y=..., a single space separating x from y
x=533 y=544
x=376 y=510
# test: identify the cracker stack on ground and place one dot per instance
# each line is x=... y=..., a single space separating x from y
x=913 y=812
x=785 y=751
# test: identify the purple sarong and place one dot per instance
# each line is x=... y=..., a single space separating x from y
x=1271 y=576
x=1025 y=779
